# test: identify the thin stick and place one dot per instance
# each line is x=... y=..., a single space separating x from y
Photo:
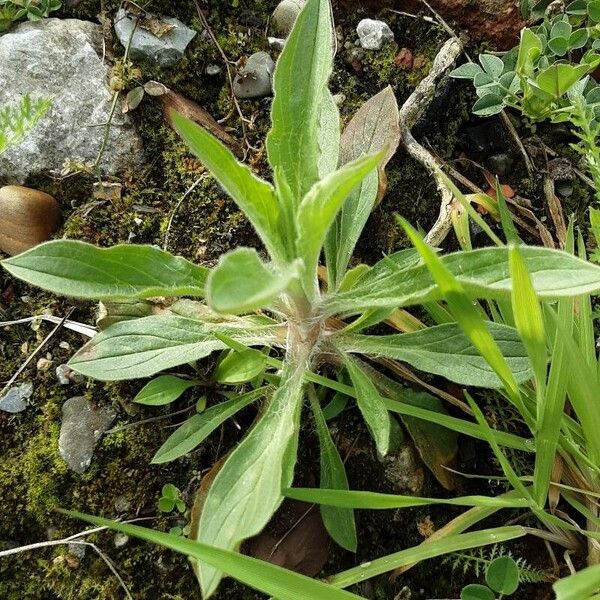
x=35 y=352
x=185 y=195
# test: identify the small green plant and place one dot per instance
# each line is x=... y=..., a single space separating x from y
x=12 y=11
x=16 y=121
x=325 y=186
x=478 y=560
x=170 y=499
x=547 y=77
x=502 y=578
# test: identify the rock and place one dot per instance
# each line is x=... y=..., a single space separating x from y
x=82 y=426
x=213 y=70
x=276 y=43
x=122 y=504
x=66 y=375
x=15 y=399
x=254 y=79
x=374 y=34
x=404 y=470
x=500 y=164
x=27 y=218
x=77 y=550
x=62 y=59
x=284 y=16
x=166 y=47
x=120 y=540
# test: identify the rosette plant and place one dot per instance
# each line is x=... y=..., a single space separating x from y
x=317 y=205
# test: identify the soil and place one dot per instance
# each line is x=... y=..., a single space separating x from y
x=121 y=481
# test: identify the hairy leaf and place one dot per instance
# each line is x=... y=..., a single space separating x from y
x=81 y=270
x=299 y=85
x=371 y=406
x=444 y=350
x=241 y=282
x=246 y=491
x=197 y=428
x=319 y=208
x=254 y=196
x=374 y=127
x=164 y=390
x=339 y=522
x=143 y=347
x=483 y=273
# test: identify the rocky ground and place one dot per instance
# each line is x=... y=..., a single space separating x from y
x=119 y=174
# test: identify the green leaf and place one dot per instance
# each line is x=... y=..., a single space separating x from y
x=578 y=586
x=262 y=576
x=530 y=49
x=299 y=85
x=240 y=367
x=559 y=45
x=594 y=10
x=319 y=208
x=352 y=499
x=143 y=347
x=557 y=79
x=339 y=522
x=488 y=105
x=197 y=428
x=492 y=65
x=467 y=71
x=164 y=390
x=484 y=273
x=445 y=350
x=502 y=575
x=424 y=551
x=246 y=491
x=374 y=127
x=474 y=591
x=254 y=196
x=528 y=319
x=81 y=270
x=242 y=283
x=578 y=39
x=329 y=136
x=371 y=406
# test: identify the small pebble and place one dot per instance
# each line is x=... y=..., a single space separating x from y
x=122 y=504
x=77 y=550
x=285 y=15
x=43 y=364
x=15 y=399
x=213 y=70
x=62 y=374
x=276 y=43
x=254 y=79
x=374 y=34
x=120 y=540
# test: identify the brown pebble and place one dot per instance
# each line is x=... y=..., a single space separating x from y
x=27 y=218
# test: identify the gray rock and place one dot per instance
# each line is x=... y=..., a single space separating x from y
x=15 y=399
x=120 y=540
x=255 y=78
x=404 y=470
x=167 y=50
x=374 y=34
x=276 y=43
x=62 y=59
x=284 y=16
x=213 y=70
x=77 y=550
x=82 y=426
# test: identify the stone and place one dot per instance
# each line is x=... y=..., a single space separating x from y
x=77 y=550
x=15 y=399
x=120 y=540
x=404 y=470
x=81 y=428
x=61 y=59
x=500 y=164
x=373 y=34
x=27 y=218
x=285 y=15
x=166 y=48
x=255 y=78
